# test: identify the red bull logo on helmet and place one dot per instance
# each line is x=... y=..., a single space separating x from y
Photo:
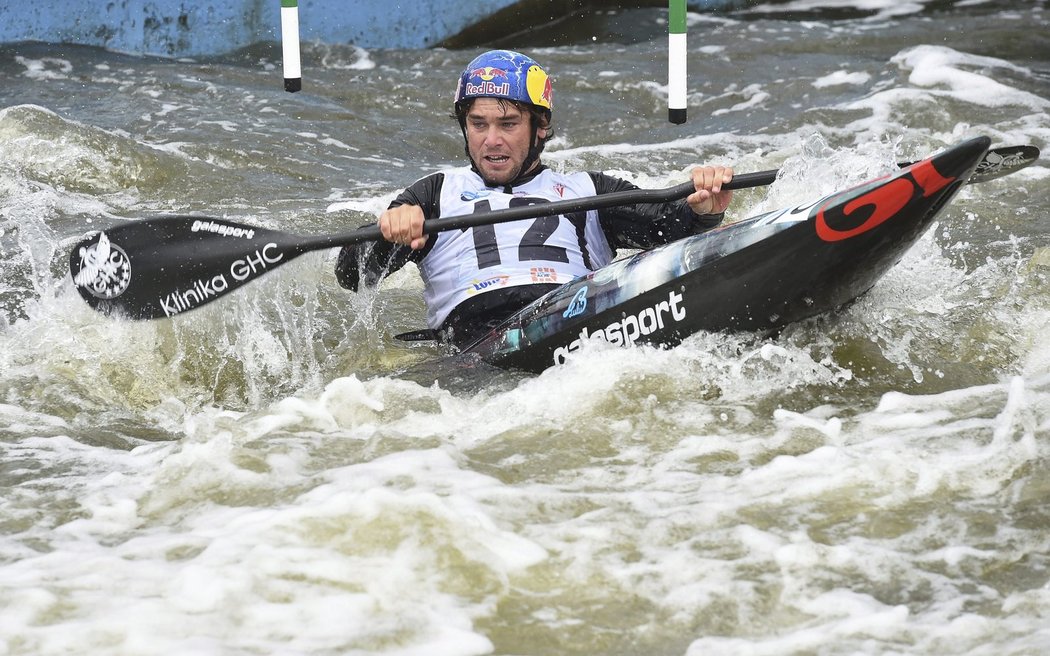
x=487 y=73
x=486 y=86
x=487 y=89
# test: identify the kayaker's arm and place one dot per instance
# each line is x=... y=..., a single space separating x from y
x=370 y=262
x=647 y=224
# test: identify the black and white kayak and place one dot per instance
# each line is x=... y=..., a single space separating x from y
x=758 y=274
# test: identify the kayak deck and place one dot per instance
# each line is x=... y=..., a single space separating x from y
x=761 y=273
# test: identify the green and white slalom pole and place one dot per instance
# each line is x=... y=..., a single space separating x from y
x=676 y=68
x=293 y=75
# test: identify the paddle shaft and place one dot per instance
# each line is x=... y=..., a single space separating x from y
x=991 y=167
x=583 y=204
x=163 y=266
x=995 y=164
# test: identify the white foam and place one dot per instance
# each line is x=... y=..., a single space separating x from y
x=882 y=8
x=333 y=58
x=940 y=67
x=838 y=78
x=754 y=97
x=371 y=205
x=45 y=68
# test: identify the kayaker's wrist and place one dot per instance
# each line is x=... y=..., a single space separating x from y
x=708 y=221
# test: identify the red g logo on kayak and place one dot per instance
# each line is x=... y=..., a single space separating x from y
x=880 y=204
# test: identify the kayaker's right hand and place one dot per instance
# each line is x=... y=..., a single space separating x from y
x=403 y=225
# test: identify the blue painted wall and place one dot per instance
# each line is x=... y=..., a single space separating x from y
x=189 y=28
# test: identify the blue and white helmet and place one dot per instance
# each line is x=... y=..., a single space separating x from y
x=505 y=74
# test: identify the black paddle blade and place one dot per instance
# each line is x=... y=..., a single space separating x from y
x=1004 y=161
x=163 y=266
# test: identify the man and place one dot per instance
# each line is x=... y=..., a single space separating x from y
x=475 y=278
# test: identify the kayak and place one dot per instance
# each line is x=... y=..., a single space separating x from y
x=758 y=274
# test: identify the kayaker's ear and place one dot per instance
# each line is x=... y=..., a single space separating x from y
x=542 y=121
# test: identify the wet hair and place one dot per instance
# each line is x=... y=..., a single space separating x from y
x=539 y=116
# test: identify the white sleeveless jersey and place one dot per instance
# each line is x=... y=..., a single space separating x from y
x=464 y=263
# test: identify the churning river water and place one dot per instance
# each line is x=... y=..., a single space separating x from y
x=275 y=474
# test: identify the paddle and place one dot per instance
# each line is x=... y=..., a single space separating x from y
x=162 y=266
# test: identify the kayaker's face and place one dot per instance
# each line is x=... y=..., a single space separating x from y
x=498 y=138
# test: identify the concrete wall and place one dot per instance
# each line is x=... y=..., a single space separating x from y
x=189 y=28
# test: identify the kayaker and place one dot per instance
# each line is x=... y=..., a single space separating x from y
x=474 y=279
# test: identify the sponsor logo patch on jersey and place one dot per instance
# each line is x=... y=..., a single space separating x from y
x=478 y=286
x=544 y=274
x=468 y=196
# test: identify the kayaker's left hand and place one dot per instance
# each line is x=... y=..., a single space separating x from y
x=709 y=197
